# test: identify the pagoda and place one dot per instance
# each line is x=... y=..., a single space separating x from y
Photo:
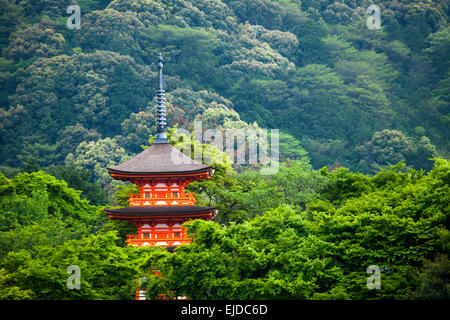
x=162 y=172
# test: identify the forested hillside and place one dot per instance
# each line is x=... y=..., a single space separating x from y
x=362 y=98
x=364 y=124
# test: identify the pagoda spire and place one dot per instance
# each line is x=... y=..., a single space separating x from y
x=162 y=205
x=161 y=107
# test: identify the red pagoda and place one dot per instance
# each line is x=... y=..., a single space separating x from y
x=161 y=172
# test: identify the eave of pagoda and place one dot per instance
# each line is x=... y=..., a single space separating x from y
x=177 y=176
x=148 y=218
x=163 y=212
x=209 y=215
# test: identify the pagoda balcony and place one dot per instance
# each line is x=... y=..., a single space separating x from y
x=183 y=199
x=134 y=240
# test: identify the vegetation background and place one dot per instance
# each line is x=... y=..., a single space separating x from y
x=364 y=121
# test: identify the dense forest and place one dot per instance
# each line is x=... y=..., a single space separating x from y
x=363 y=114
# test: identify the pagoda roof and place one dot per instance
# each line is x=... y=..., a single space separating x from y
x=159 y=211
x=159 y=159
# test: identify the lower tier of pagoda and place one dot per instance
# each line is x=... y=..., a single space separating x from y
x=160 y=225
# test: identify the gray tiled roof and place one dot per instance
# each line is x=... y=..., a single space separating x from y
x=160 y=158
x=160 y=210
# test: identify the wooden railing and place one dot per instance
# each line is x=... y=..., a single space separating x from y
x=132 y=239
x=183 y=199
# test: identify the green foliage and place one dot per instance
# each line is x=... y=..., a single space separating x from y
x=50 y=8
x=62 y=96
x=437 y=52
x=107 y=271
x=300 y=234
x=323 y=252
x=90 y=5
x=72 y=136
x=311 y=69
x=189 y=52
x=110 y=30
x=391 y=146
x=37 y=41
x=35 y=197
x=97 y=156
x=45 y=228
x=10 y=15
x=434 y=280
x=80 y=179
x=73 y=102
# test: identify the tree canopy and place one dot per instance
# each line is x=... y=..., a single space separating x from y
x=363 y=120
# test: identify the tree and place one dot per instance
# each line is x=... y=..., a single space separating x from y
x=90 y=5
x=51 y=8
x=284 y=42
x=149 y=12
x=90 y=89
x=39 y=40
x=435 y=280
x=107 y=271
x=71 y=136
x=390 y=146
x=322 y=252
x=323 y=109
x=238 y=262
x=10 y=15
x=113 y=31
x=299 y=183
x=80 y=179
x=38 y=210
x=422 y=154
x=262 y=12
x=96 y=156
x=254 y=56
x=439 y=46
x=185 y=105
x=135 y=131
x=189 y=52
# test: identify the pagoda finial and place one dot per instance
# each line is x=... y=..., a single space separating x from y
x=161 y=107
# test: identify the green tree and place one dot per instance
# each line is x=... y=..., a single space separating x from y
x=390 y=146
x=32 y=197
x=439 y=46
x=10 y=15
x=71 y=136
x=435 y=280
x=39 y=40
x=189 y=52
x=80 y=179
x=107 y=272
x=111 y=30
x=51 y=8
x=322 y=252
x=97 y=156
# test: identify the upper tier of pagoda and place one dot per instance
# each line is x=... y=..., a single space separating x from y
x=161 y=172
x=160 y=160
